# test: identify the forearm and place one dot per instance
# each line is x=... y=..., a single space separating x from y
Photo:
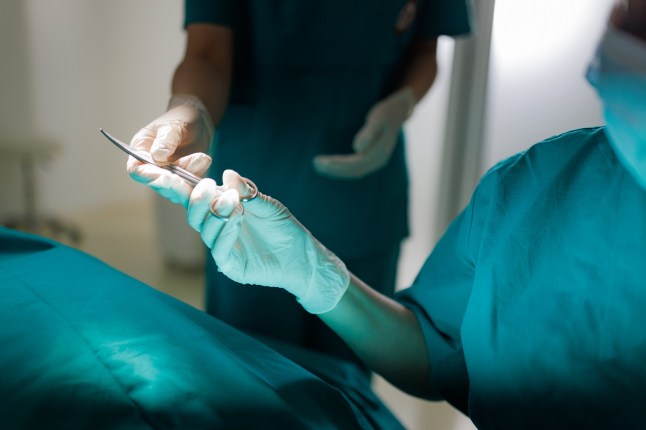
x=205 y=81
x=384 y=334
x=421 y=67
x=630 y=16
x=206 y=69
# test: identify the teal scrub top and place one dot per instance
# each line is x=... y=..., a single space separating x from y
x=305 y=75
x=533 y=302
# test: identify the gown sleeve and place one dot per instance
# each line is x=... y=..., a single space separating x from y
x=442 y=291
x=220 y=12
x=444 y=17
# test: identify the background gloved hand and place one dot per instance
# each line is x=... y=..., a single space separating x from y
x=265 y=245
x=180 y=135
x=375 y=141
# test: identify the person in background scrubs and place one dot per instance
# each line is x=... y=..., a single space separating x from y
x=308 y=98
x=529 y=312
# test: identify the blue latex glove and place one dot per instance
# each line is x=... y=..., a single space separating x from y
x=265 y=244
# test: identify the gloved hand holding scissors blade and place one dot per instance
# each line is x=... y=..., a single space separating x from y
x=168 y=179
x=180 y=135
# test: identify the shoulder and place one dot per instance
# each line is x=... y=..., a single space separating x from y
x=550 y=155
x=560 y=164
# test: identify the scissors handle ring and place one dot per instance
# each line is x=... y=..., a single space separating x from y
x=246 y=198
x=252 y=194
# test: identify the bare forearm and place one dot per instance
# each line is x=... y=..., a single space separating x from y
x=206 y=69
x=206 y=81
x=384 y=334
x=421 y=67
x=630 y=16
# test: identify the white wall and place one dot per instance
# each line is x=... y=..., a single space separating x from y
x=79 y=66
x=424 y=133
x=15 y=97
x=540 y=51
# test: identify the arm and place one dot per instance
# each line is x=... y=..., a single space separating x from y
x=184 y=132
x=421 y=67
x=384 y=334
x=630 y=16
x=375 y=142
x=205 y=70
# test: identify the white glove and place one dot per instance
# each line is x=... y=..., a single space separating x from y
x=375 y=141
x=265 y=245
x=185 y=128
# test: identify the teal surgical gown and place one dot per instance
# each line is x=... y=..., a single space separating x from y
x=84 y=346
x=533 y=303
x=305 y=74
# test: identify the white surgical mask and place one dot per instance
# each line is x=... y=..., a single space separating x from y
x=618 y=72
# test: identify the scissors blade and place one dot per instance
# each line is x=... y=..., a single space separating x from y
x=145 y=157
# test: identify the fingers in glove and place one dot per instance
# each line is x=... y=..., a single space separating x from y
x=367 y=136
x=226 y=206
x=200 y=215
x=261 y=205
x=167 y=138
x=143 y=172
x=170 y=186
x=197 y=163
x=142 y=142
x=232 y=180
x=143 y=139
x=350 y=166
x=199 y=206
x=223 y=249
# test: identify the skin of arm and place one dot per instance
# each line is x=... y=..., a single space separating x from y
x=205 y=71
x=421 y=67
x=630 y=17
x=383 y=333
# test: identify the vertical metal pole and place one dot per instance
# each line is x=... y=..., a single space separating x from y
x=29 y=185
x=464 y=138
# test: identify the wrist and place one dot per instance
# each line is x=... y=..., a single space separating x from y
x=406 y=97
x=195 y=102
x=328 y=283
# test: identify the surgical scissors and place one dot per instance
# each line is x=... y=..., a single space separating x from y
x=192 y=179
x=145 y=157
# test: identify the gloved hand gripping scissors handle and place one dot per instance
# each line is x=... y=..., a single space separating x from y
x=192 y=179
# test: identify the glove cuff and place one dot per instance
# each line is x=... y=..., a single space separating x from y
x=406 y=100
x=329 y=283
x=194 y=101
